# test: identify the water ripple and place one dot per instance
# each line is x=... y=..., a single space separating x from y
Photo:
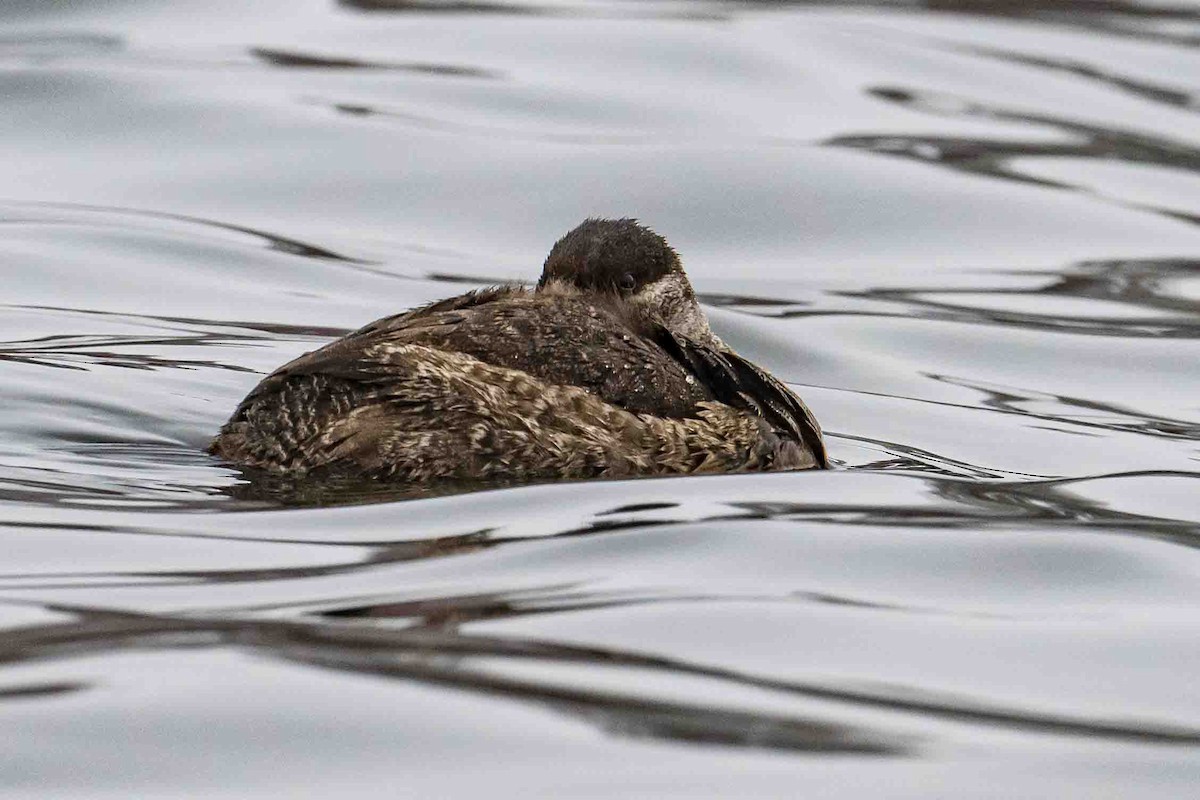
x=964 y=232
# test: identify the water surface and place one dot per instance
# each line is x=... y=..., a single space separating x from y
x=966 y=233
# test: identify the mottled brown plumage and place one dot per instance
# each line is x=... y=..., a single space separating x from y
x=607 y=369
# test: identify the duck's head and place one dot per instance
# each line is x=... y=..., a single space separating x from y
x=622 y=259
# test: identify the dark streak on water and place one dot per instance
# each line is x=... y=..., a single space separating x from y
x=966 y=232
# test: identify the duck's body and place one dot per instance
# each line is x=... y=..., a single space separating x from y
x=606 y=369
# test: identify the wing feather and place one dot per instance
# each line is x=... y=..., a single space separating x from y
x=739 y=383
x=350 y=358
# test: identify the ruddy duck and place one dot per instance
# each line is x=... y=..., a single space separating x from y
x=606 y=369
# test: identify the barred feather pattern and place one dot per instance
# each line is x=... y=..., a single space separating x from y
x=421 y=414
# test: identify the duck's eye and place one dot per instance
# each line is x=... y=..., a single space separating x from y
x=626 y=282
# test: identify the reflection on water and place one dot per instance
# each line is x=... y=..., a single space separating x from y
x=992 y=158
x=966 y=231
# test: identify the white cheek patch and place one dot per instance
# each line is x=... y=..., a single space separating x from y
x=670 y=299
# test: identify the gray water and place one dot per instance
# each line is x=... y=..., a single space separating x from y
x=968 y=234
